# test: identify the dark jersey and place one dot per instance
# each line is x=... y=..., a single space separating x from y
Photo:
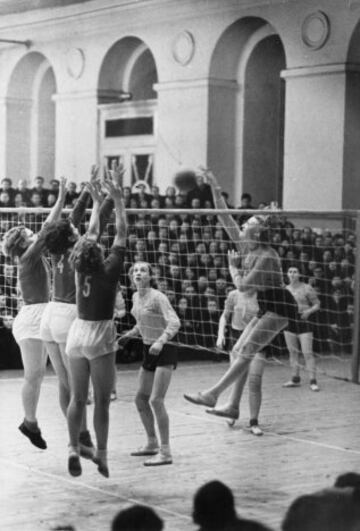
x=95 y=294
x=64 y=289
x=34 y=273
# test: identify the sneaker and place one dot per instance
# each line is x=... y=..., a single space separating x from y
x=159 y=460
x=291 y=383
x=145 y=450
x=256 y=430
x=74 y=465
x=34 y=436
x=87 y=448
x=314 y=387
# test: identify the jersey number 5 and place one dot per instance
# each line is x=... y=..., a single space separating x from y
x=87 y=286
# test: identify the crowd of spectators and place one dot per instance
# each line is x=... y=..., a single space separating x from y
x=188 y=253
x=335 y=508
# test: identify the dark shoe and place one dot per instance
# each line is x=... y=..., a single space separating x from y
x=102 y=467
x=34 y=436
x=74 y=465
x=87 y=449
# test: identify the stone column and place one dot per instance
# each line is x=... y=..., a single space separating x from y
x=181 y=127
x=314 y=137
x=76 y=134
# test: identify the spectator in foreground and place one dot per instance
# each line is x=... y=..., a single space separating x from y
x=333 y=509
x=214 y=510
x=137 y=518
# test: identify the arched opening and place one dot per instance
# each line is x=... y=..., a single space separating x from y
x=351 y=165
x=31 y=119
x=263 y=137
x=127 y=107
x=246 y=111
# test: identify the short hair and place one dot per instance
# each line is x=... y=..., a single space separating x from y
x=12 y=241
x=137 y=518
x=247 y=196
x=59 y=236
x=349 y=479
x=87 y=256
x=214 y=505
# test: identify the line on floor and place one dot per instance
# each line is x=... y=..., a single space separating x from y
x=76 y=483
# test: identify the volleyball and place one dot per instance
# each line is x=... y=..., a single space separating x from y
x=185 y=180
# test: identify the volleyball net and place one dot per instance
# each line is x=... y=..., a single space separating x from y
x=188 y=252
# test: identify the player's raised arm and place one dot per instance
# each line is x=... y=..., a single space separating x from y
x=55 y=212
x=115 y=192
x=227 y=221
x=94 y=224
x=80 y=206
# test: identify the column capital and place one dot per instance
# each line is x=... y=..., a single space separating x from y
x=201 y=83
x=320 y=70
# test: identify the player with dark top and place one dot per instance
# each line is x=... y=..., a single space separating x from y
x=60 y=238
x=261 y=271
x=91 y=344
x=34 y=281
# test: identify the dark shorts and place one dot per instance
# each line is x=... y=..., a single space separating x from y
x=301 y=327
x=167 y=357
x=279 y=301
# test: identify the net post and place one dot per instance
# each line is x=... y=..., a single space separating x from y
x=356 y=332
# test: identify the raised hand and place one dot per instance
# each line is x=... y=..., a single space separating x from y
x=234 y=258
x=95 y=191
x=94 y=173
x=112 y=188
x=117 y=173
x=62 y=187
x=209 y=177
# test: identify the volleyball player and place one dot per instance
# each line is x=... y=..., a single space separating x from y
x=156 y=323
x=261 y=271
x=91 y=343
x=26 y=249
x=308 y=303
x=60 y=238
x=240 y=307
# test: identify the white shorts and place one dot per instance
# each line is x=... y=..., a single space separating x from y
x=26 y=324
x=91 y=339
x=56 y=321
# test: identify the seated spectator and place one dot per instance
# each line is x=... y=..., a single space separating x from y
x=51 y=199
x=5 y=200
x=6 y=186
x=23 y=189
x=41 y=190
x=202 y=192
x=246 y=204
x=137 y=518
x=36 y=201
x=188 y=328
x=155 y=192
x=214 y=510
x=71 y=194
x=54 y=186
x=19 y=201
x=334 y=509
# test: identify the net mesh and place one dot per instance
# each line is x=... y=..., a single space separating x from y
x=188 y=253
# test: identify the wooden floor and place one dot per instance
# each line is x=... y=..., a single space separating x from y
x=310 y=438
